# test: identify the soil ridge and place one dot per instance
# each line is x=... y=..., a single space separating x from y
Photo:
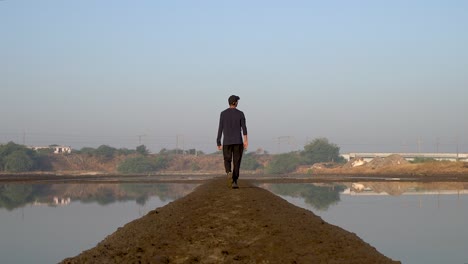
x=216 y=224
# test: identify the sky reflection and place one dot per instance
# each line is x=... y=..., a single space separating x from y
x=34 y=228
x=416 y=223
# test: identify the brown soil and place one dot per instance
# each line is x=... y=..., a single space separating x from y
x=215 y=224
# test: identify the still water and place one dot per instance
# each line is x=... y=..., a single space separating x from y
x=416 y=223
x=45 y=223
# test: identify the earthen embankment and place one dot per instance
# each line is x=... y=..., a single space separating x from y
x=215 y=224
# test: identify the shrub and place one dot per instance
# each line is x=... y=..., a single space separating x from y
x=422 y=160
x=143 y=164
x=86 y=150
x=283 y=163
x=249 y=162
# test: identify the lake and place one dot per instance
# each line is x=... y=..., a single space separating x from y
x=45 y=223
x=408 y=221
x=416 y=223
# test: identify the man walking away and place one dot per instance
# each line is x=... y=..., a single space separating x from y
x=232 y=126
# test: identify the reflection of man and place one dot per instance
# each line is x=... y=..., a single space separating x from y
x=231 y=124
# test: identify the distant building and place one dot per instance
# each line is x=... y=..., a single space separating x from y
x=56 y=149
x=409 y=156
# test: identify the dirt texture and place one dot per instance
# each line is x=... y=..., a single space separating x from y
x=216 y=224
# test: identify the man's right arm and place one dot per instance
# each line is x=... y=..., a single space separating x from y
x=220 y=132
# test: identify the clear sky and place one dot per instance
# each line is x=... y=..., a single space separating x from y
x=367 y=75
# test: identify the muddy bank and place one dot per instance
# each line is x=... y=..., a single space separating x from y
x=215 y=224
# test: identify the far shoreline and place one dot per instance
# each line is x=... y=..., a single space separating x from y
x=191 y=177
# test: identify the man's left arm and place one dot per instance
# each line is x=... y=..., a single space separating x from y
x=246 y=142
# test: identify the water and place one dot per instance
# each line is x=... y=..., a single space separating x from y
x=417 y=224
x=47 y=223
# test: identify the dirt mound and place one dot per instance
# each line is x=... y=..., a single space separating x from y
x=356 y=162
x=392 y=160
x=215 y=224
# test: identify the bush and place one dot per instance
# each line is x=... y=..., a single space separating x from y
x=142 y=164
x=195 y=167
x=136 y=165
x=125 y=151
x=86 y=150
x=422 y=160
x=161 y=162
x=283 y=163
x=249 y=162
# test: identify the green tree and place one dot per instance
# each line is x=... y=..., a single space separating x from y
x=283 y=163
x=320 y=150
x=19 y=161
x=18 y=158
x=142 y=150
x=105 y=152
x=6 y=150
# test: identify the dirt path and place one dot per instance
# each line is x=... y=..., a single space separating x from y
x=215 y=224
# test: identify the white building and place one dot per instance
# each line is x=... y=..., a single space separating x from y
x=55 y=148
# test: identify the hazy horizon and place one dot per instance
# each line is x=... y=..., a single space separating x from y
x=388 y=76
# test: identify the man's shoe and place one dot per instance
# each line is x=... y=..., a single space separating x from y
x=234 y=185
x=229 y=178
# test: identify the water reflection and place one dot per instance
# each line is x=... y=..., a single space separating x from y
x=45 y=223
x=17 y=195
x=318 y=196
x=321 y=196
x=414 y=222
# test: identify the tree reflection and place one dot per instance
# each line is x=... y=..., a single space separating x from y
x=319 y=197
x=13 y=196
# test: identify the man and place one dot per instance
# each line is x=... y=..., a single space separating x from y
x=231 y=124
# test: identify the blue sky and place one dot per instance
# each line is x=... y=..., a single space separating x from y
x=368 y=75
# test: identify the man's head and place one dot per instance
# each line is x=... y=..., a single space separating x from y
x=233 y=100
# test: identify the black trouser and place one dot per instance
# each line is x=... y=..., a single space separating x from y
x=233 y=153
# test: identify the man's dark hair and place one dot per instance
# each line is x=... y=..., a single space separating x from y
x=233 y=99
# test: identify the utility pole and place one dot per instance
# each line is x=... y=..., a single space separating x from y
x=139 y=138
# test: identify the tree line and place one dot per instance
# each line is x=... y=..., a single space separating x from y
x=19 y=158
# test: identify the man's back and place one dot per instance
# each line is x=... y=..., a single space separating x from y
x=231 y=123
